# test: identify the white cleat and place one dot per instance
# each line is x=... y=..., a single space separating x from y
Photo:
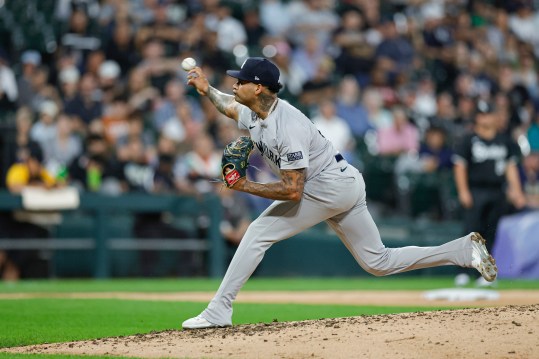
x=481 y=259
x=198 y=322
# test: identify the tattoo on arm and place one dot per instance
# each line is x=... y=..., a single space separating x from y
x=289 y=188
x=224 y=103
x=294 y=180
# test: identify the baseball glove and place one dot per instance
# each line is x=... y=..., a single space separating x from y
x=235 y=160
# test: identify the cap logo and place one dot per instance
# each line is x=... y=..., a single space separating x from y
x=256 y=78
x=243 y=63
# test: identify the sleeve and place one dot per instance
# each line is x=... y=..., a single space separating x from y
x=463 y=151
x=294 y=149
x=244 y=118
x=16 y=176
x=514 y=154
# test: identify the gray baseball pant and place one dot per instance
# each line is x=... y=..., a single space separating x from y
x=339 y=199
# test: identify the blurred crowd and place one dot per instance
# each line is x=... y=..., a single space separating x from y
x=109 y=108
x=101 y=102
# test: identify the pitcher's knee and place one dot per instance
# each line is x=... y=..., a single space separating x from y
x=377 y=263
x=377 y=271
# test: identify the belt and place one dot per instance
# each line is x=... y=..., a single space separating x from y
x=339 y=157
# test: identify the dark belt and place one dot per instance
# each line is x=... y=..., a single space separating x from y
x=339 y=157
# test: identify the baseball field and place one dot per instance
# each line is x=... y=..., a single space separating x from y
x=273 y=318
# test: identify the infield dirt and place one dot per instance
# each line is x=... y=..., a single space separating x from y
x=495 y=332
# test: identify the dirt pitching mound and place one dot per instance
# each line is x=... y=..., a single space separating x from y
x=499 y=332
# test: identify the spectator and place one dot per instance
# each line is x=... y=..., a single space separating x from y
x=400 y=138
x=379 y=116
x=356 y=52
x=275 y=17
x=434 y=154
x=30 y=60
x=519 y=98
x=121 y=47
x=350 y=109
x=69 y=81
x=80 y=38
x=44 y=130
x=523 y=22
x=230 y=31
x=425 y=98
x=96 y=169
x=201 y=166
x=394 y=47
x=60 y=150
x=182 y=128
x=308 y=58
x=22 y=224
x=445 y=116
x=464 y=118
x=165 y=109
x=94 y=60
x=335 y=129
x=8 y=84
x=291 y=77
x=320 y=87
x=140 y=92
x=30 y=172
x=211 y=55
x=312 y=17
x=137 y=173
x=110 y=83
x=161 y=29
x=23 y=123
x=156 y=67
x=115 y=121
x=253 y=28
x=86 y=106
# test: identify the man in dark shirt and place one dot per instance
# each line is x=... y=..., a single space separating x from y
x=85 y=106
x=486 y=174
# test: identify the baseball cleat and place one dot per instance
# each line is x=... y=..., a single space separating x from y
x=481 y=259
x=198 y=322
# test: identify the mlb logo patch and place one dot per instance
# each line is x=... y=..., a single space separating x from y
x=294 y=156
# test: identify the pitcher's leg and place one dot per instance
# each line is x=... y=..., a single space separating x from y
x=280 y=221
x=360 y=235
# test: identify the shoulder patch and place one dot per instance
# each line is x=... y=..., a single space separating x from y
x=294 y=156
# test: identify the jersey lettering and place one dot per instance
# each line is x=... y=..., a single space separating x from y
x=482 y=152
x=265 y=151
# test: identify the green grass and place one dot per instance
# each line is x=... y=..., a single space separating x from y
x=33 y=321
x=54 y=356
x=297 y=284
x=47 y=320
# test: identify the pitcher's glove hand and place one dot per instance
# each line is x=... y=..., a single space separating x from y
x=235 y=160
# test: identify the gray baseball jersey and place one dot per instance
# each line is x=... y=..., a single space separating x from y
x=287 y=140
x=334 y=192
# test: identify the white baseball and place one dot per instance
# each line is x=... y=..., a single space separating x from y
x=188 y=63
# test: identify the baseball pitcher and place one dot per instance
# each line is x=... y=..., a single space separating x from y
x=316 y=184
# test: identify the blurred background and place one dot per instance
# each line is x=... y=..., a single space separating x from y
x=92 y=97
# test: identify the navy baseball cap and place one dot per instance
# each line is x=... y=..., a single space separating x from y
x=257 y=70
